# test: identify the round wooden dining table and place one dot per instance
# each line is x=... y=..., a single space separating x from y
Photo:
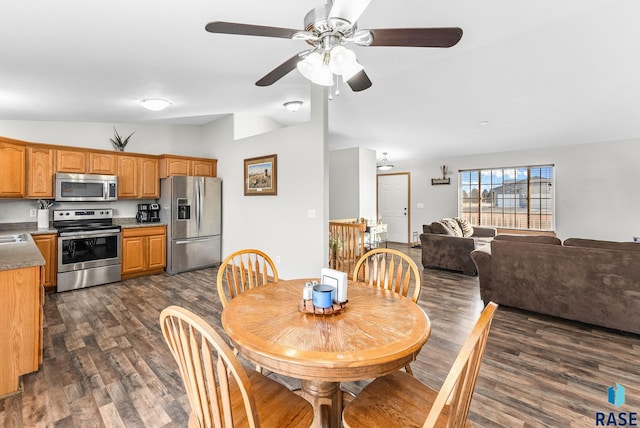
x=376 y=333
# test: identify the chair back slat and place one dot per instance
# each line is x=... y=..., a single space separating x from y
x=389 y=269
x=457 y=390
x=242 y=271
x=214 y=415
x=194 y=345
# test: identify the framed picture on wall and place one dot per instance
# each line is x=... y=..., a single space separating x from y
x=261 y=176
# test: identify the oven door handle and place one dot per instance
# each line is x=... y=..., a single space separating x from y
x=89 y=234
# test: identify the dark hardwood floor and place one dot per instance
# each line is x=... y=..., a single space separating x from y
x=106 y=363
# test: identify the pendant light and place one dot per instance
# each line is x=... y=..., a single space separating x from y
x=385 y=165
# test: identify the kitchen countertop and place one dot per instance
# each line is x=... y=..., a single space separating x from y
x=126 y=223
x=28 y=227
x=21 y=254
x=26 y=254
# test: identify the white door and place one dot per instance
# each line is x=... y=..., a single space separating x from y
x=393 y=205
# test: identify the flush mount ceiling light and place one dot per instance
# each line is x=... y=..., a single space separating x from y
x=293 y=106
x=155 y=104
x=385 y=165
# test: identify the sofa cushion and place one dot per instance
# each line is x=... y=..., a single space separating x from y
x=441 y=228
x=426 y=229
x=534 y=239
x=607 y=245
x=453 y=225
x=467 y=229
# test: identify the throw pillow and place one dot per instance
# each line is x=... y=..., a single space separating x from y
x=441 y=228
x=467 y=229
x=453 y=225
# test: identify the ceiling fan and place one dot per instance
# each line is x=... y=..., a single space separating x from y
x=327 y=30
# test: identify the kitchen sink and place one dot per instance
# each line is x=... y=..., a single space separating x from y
x=13 y=239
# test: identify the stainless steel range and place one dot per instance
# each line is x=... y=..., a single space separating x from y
x=88 y=248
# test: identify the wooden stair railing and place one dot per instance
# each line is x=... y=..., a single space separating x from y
x=346 y=244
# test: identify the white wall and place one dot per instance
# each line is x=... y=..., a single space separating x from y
x=279 y=225
x=596 y=187
x=352 y=178
x=344 y=184
x=148 y=138
x=368 y=184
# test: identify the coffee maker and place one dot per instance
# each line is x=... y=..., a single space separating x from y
x=148 y=213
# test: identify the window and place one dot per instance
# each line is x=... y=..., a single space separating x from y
x=511 y=198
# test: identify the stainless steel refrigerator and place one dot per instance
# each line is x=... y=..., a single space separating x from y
x=192 y=209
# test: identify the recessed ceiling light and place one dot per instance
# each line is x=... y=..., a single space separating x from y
x=293 y=105
x=155 y=104
x=484 y=123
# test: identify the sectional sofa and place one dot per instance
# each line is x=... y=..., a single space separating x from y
x=446 y=247
x=591 y=281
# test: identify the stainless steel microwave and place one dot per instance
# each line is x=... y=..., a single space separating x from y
x=86 y=187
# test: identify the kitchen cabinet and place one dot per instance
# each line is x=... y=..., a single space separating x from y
x=21 y=332
x=149 y=181
x=40 y=172
x=12 y=170
x=138 y=177
x=144 y=250
x=204 y=167
x=102 y=163
x=48 y=246
x=27 y=170
x=183 y=165
x=127 y=176
x=73 y=161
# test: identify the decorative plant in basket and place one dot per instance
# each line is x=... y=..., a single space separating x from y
x=118 y=142
x=335 y=246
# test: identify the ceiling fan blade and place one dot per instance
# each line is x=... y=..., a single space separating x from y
x=249 y=29
x=418 y=37
x=359 y=82
x=279 y=72
x=348 y=9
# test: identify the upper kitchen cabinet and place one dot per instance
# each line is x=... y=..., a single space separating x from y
x=71 y=161
x=204 y=167
x=40 y=172
x=183 y=165
x=102 y=163
x=138 y=177
x=12 y=170
x=149 y=179
x=81 y=161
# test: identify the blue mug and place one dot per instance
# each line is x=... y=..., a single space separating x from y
x=323 y=296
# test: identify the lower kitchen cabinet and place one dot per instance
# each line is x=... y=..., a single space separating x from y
x=144 y=250
x=21 y=332
x=48 y=246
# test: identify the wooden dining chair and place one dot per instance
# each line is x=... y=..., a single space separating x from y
x=221 y=392
x=400 y=400
x=391 y=270
x=242 y=271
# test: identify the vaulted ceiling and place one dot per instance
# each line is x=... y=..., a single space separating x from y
x=526 y=74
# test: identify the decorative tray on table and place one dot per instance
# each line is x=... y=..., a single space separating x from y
x=307 y=307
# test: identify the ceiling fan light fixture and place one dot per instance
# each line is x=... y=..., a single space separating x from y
x=343 y=62
x=155 y=104
x=293 y=106
x=314 y=69
x=384 y=165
